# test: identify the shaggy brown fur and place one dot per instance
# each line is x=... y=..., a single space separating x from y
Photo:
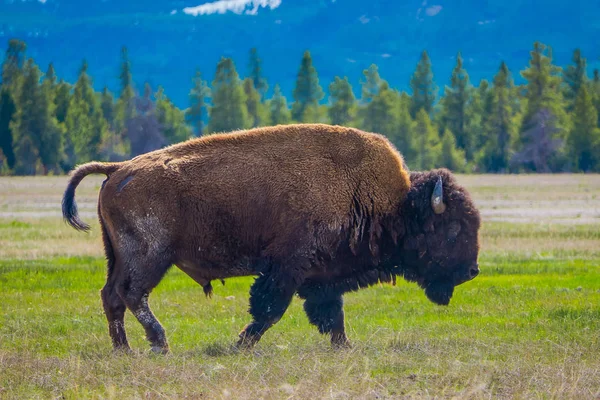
x=313 y=209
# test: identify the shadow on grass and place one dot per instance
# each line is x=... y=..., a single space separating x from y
x=216 y=350
x=220 y=349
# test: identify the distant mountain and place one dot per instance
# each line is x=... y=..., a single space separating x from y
x=344 y=36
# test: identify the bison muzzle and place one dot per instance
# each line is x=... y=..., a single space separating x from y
x=313 y=210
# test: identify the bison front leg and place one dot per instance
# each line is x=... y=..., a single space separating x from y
x=326 y=312
x=270 y=296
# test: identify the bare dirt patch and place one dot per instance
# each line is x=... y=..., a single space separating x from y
x=559 y=198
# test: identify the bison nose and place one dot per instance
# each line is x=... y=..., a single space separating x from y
x=474 y=271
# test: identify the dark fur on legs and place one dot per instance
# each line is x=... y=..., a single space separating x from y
x=134 y=289
x=155 y=333
x=270 y=296
x=325 y=310
x=114 y=308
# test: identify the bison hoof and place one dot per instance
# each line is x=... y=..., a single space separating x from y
x=160 y=349
x=122 y=349
x=246 y=342
x=339 y=343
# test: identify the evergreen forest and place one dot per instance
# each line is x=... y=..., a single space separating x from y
x=550 y=123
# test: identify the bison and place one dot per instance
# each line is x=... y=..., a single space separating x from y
x=310 y=209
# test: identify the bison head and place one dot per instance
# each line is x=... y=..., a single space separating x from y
x=440 y=247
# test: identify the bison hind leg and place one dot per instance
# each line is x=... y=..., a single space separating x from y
x=139 y=277
x=113 y=304
x=114 y=308
x=325 y=309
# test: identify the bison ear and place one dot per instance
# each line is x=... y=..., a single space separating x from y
x=437 y=198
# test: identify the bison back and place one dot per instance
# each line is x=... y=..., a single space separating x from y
x=277 y=191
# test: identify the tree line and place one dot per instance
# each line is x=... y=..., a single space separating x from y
x=550 y=123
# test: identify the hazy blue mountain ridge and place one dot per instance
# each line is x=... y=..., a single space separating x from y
x=344 y=37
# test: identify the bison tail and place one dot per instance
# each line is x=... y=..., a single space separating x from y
x=69 y=206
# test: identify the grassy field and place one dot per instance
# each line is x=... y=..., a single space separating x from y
x=527 y=327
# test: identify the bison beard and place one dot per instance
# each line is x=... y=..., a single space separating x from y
x=313 y=210
x=440 y=292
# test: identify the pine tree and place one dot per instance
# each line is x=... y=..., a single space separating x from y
x=279 y=111
x=83 y=90
x=229 y=111
x=427 y=142
x=84 y=127
x=423 y=88
x=452 y=157
x=12 y=76
x=253 y=103
x=197 y=113
x=14 y=59
x=403 y=135
x=543 y=81
x=27 y=158
x=7 y=111
x=477 y=112
x=4 y=170
x=51 y=145
x=595 y=88
x=78 y=126
x=27 y=125
x=380 y=113
x=371 y=87
x=125 y=108
x=107 y=105
x=584 y=137
x=545 y=122
x=50 y=76
x=343 y=103
x=127 y=92
x=62 y=100
x=171 y=119
x=499 y=127
x=255 y=68
x=454 y=105
x=371 y=84
x=113 y=146
x=574 y=77
x=307 y=92
x=484 y=94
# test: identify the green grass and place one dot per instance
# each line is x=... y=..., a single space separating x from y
x=523 y=328
x=527 y=327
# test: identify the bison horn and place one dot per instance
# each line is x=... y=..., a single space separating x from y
x=437 y=198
